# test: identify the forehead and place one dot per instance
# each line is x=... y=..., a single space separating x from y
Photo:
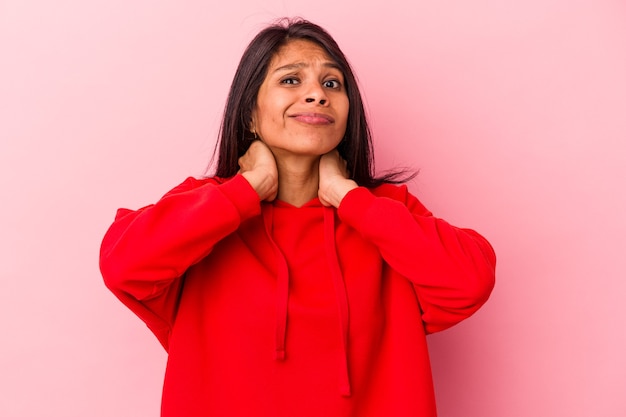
x=300 y=50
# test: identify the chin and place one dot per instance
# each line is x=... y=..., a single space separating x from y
x=322 y=143
x=307 y=146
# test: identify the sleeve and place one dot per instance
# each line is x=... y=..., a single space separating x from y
x=145 y=253
x=452 y=269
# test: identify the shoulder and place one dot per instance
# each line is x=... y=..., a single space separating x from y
x=396 y=192
x=192 y=183
x=198 y=182
x=401 y=194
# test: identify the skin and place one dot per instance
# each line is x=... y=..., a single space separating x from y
x=300 y=117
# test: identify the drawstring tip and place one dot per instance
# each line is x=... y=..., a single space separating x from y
x=279 y=354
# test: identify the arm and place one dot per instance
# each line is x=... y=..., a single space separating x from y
x=452 y=269
x=145 y=253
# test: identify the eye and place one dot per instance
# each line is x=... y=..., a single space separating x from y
x=335 y=84
x=290 y=81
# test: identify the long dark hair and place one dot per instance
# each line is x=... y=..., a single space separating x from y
x=235 y=138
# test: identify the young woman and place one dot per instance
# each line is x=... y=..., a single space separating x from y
x=295 y=282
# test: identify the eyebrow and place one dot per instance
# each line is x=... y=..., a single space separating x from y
x=299 y=65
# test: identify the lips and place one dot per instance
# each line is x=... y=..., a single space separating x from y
x=313 y=118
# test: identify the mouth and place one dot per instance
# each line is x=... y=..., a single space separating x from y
x=313 y=118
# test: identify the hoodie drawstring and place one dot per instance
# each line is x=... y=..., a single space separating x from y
x=342 y=297
x=282 y=289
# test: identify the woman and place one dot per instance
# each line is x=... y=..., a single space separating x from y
x=294 y=282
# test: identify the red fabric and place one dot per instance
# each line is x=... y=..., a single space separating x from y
x=270 y=315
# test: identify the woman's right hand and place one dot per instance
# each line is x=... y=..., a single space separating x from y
x=258 y=167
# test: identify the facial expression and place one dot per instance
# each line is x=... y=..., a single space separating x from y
x=302 y=105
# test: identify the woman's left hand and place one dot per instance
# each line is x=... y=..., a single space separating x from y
x=334 y=181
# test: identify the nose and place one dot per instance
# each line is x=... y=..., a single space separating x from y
x=316 y=93
x=311 y=100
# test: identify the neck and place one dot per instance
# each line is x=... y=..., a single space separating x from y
x=298 y=179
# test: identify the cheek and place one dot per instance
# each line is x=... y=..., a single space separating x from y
x=270 y=113
x=263 y=118
x=345 y=111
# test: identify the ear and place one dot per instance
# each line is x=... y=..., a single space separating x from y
x=252 y=124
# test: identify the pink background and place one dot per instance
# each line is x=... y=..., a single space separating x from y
x=515 y=112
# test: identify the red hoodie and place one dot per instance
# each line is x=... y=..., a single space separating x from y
x=267 y=309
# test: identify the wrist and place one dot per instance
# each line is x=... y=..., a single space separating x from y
x=338 y=190
x=263 y=183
